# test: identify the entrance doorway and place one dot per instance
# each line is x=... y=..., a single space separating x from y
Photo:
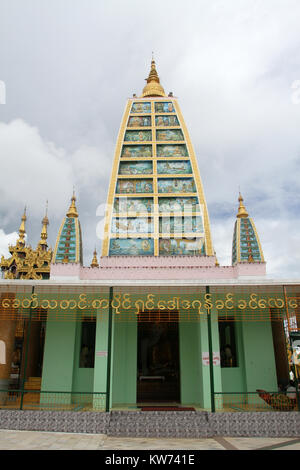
x=158 y=378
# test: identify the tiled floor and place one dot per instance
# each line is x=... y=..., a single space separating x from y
x=34 y=440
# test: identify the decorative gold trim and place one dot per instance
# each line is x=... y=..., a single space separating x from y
x=57 y=239
x=258 y=240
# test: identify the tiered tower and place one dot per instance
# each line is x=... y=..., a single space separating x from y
x=246 y=246
x=156 y=204
x=68 y=247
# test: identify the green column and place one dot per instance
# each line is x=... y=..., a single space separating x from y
x=210 y=372
x=103 y=352
x=125 y=362
x=190 y=369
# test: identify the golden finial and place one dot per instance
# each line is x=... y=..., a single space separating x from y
x=22 y=231
x=94 y=263
x=242 y=213
x=44 y=234
x=153 y=87
x=72 y=212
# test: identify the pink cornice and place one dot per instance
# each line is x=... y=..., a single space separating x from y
x=155 y=268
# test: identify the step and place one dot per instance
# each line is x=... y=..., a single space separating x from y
x=158 y=424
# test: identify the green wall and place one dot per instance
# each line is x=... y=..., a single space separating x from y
x=260 y=369
x=190 y=371
x=59 y=356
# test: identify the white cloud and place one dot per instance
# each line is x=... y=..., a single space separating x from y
x=5 y=241
x=32 y=170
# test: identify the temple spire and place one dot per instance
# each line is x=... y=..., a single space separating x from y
x=246 y=247
x=242 y=210
x=94 y=263
x=68 y=246
x=72 y=212
x=44 y=234
x=22 y=231
x=153 y=87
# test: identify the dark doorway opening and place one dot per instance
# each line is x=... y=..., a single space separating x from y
x=158 y=377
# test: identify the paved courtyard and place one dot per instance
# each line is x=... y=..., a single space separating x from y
x=36 y=440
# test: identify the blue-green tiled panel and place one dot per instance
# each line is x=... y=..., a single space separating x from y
x=131 y=246
x=67 y=241
x=248 y=241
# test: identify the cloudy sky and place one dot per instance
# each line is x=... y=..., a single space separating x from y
x=68 y=67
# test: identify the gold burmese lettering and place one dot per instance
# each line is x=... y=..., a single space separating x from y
x=137 y=307
x=229 y=299
x=281 y=305
x=199 y=308
x=173 y=304
x=242 y=304
x=26 y=303
x=34 y=301
x=126 y=304
x=82 y=304
x=262 y=303
x=6 y=303
x=52 y=307
x=269 y=302
x=220 y=305
x=276 y=303
x=64 y=304
x=74 y=304
x=117 y=298
x=124 y=301
x=253 y=301
x=150 y=300
x=46 y=304
x=292 y=303
x=97 y=303
x=16 y=303
x=161 y=305
x=208 y=304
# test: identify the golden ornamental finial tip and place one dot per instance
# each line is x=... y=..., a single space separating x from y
x=242 y=213
x=153 y=86
x=72 y=212
x=94 y=263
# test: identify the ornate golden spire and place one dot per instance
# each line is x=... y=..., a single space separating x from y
x=22 y=231
x=94 y=263
x=242 y=213
x=72 y=212
x=153 y=87
x=44 y=235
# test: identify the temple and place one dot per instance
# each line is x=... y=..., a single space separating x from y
x=155 y=319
